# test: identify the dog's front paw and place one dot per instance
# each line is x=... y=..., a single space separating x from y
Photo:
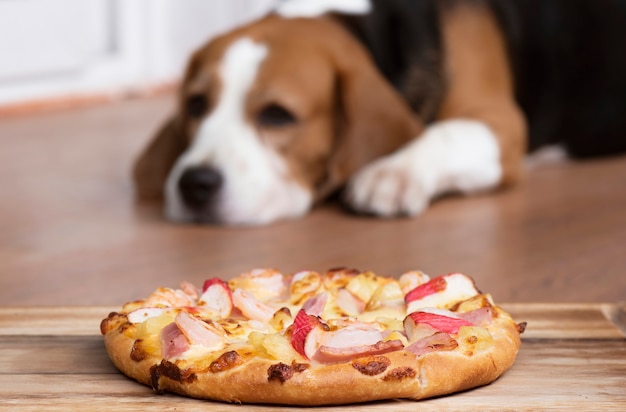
x=388 y=187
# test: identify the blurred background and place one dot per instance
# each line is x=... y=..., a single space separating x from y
x=84 y=85
x=51 y=49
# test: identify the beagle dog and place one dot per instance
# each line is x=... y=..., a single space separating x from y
x=394 y=102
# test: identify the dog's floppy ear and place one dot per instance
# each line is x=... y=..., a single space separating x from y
x=154 y=163
x=372 y=117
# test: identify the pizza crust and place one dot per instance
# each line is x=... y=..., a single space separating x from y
x=405 y=376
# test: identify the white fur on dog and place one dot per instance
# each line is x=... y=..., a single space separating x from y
x=316 y=8
x=257 y=187
x=451 y=156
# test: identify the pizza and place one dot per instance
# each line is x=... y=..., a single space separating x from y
x=309 y=338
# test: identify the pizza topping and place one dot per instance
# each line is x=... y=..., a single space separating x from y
x=473 y=303
x=474 y=339
x=273 y=346
x=217 y=297
x=190 y=290
x=440 y=341
x=281 y=319
x=199 y=332
x=349 y=342
x=173 y=342
x=303 y=324
x=410 y=280
x=436 y=285
x=143 y=314
x=441 y=292
x=481 y=316
x=250 y=307
x=312 y=339
x=416 y=331
x=363 y=286
x=338 y=277
x=213 y=281
x=264 y=284
x=315 y=305
x=439 y=322
x=226 y=361
x=349 y=304
x=169 y=298
x=353 y=334
x=387 y=295
x=304 y=285
x=371 y=365
x=330 y=354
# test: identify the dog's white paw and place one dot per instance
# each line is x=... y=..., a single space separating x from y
x=388 y=187
x=450 y=156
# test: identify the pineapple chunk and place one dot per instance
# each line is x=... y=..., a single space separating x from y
x=395 y=335
x=363 y=286
x=154 y=325
x=281 y=319
x=279 y=347
x=303 y=286
x=274 y=346
x=149 y=333
x=475 y=302
x=474 y=339
x=256 y=340
x=387 y=294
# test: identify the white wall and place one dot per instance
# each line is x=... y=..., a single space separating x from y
x=60 y=48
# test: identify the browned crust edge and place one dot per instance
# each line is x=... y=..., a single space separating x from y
x=407 y=376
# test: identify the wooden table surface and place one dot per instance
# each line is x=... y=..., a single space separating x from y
x=572 y=357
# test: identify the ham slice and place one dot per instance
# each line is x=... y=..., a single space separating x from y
x=329 y=354
x=186 y=331
x=440 y=341
x=173 y=342
x=478 y=317
x=315 y=305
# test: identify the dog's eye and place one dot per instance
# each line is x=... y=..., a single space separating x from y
x=275 y=115
x=196 y=105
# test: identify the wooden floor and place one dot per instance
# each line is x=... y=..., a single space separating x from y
x=72 y=234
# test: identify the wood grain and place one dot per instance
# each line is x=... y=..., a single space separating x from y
x=46 y=366
x=72 y=234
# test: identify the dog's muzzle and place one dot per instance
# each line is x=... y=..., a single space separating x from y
x=198 y=187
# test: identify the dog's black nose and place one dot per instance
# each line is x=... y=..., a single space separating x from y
x=198 y=185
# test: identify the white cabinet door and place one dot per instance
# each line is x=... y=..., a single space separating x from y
x=60 y=48
x=39 y=37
